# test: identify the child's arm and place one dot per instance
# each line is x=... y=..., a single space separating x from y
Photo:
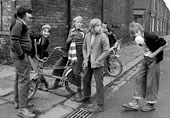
x=162 y=44
x=106 y=47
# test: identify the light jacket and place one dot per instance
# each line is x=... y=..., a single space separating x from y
x=97 y=51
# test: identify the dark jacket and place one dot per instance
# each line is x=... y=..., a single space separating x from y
x=20 y=37
x=41 y=46
x=153 y=42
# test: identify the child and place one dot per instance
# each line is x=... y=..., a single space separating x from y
x=20 y=50
x=112 y=38
x=147 y=80
x=39 y=47
x=41 y=42
x=76 y=36
x=95 y=50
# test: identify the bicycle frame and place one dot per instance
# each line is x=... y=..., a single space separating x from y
x=39 y=69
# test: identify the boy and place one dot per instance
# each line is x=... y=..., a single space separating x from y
x=20 y=49
x=95 y=50
x=147 y=80
x=41 y=42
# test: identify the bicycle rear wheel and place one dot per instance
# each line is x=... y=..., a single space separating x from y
x=70 y=87
x=33 y=85
x=114 y=67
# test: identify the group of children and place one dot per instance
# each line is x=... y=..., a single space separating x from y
x=88 y=51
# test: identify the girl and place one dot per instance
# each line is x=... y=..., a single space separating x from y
x=76 y=35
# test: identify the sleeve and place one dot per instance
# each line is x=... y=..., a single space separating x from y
x=106 y=47
x=161 y=41
x=15 y=38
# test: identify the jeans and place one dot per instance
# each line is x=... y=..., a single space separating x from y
x=147 y=81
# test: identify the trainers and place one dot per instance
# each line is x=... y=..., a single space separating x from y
x=84 y=100
x=16 y=105
x=131 y=105
x=25 y=112
x=96 y=109
x=77 y=97
x=148 y=107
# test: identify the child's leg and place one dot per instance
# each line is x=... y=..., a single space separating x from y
x=153 y=76
x=98 y=75
x=140 y=83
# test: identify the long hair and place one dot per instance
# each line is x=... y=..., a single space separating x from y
x=93 y=23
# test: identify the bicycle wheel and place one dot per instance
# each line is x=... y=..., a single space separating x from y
x=33 y=85
x=114 y=67
x=70 y=87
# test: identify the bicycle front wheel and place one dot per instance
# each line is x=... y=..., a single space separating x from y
x=33 y=85
x=70 y=86
x=114 y=67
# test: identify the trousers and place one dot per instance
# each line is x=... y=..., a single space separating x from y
x=22 y=79
x=147 y=80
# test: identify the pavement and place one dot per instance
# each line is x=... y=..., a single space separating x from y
x=57 y=103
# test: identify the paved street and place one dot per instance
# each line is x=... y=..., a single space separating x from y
x=57 y=103
x=124 y=92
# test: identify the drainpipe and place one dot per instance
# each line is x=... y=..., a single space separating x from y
x=69 y=15
x=102 y=11
x=1 y=14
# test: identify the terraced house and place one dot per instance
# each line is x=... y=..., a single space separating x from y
x=59 y=14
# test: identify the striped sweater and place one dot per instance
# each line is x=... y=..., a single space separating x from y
x=20 y=38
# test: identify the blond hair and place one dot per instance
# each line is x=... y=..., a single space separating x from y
x=93 y=23
x=77 y=18
x=135 y=26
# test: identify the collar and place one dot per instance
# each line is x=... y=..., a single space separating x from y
x=23 y=21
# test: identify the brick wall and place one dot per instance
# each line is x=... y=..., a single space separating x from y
x=59 y=14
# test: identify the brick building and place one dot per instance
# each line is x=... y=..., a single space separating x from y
x=59 y=13
x=153 y=15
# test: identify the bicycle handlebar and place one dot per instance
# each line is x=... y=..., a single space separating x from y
x=46 y=59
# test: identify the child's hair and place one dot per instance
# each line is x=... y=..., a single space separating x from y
x=135 y=26
x=22 y=10
x=93 y=23
x=77 y=18
x=46 y=26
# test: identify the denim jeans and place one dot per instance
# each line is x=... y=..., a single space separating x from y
x=147 y=80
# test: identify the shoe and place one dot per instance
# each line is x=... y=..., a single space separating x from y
x=77 y=97
x=131 y=105
x=96 y=109
x=26 y=113
x=16 y=105
x=148 y=107
x=84 y=100
x=91 y=105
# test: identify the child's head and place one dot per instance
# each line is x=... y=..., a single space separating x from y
x=77 y=22
x=95 y=26
x=46 y=30
x=136 y=29
x=104 y=27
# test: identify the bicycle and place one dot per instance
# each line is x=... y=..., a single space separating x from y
x=41 y=77
x=114 y=66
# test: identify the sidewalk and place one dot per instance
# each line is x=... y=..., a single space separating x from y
x=130 y=56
